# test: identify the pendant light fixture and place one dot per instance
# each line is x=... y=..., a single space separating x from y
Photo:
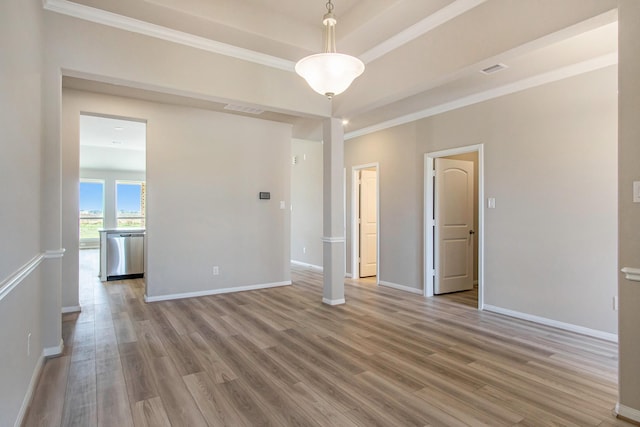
x=329 y=73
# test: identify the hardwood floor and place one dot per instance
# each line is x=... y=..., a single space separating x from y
x=280 y=357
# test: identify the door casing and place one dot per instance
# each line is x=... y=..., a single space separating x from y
x=429 y=193
x=355 y=214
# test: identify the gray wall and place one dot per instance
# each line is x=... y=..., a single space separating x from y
x=550 y=162
x=629 y=225
x=21 y=144
x=306 y=200
x=400 y=219
x=204 y=173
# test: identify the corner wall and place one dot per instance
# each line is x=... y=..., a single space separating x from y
x=306 y=201
x=550 y=162
x=24 y=292
x=629 y=212
x=204 y=173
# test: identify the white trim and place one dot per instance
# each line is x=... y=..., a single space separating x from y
x=215 y=291
x=348 y=275
x=26 y=401
x=428 y=214
x=54 y=253
x=528 y=83
x=626 y=412
x=71 y=309
x=400 y=287
x=307 y=265
x=554 y=323
x=355 y=213
x=53 y=351
x=333 y=301
x=631 y=273
x=333 y=239
x=442 y=16
x=18 y=276
x=121 y=22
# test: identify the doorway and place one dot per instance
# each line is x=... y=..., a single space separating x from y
x=112 y=160
x=365 y=206
x=474 y=232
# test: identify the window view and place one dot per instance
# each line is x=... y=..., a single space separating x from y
x=91 y=208
x=130 y=204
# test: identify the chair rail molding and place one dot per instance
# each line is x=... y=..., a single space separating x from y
x=8 y=284
x=631 y=273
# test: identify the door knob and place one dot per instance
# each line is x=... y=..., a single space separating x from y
x=472 y=232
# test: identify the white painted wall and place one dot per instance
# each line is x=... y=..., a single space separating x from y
x=550 y=162
x=20 y=164
x=204 y=173
x=306 y=199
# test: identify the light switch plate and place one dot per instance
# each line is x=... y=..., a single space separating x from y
x=636 y=191
x=491 y=203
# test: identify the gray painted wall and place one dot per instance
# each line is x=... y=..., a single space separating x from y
x=204 y=173
x=306 y=199
x=629 y=226
x=20 y=164
x=550 y=162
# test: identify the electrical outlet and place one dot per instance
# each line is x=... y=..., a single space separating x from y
x=304 y=250
x=29 y=344
x=615 y=303
x=216 y=270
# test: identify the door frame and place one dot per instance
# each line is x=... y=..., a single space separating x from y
x=355 y=213
x=428 y=222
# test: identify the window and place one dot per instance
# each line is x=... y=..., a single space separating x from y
x=130 y=204
x=91 y=208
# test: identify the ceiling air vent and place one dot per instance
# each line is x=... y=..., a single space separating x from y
x=243 y=109
x=493 y=69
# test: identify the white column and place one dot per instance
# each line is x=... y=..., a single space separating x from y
x=333 y=239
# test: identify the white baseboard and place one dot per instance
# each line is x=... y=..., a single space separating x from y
x=626 y=412
x=348 y=275
x=333 y=301
x=307 y=265
x=53 y=351
x=554 y=323
x=71 y=309
x=30 y=390
x=400 y=287
x=215 y=291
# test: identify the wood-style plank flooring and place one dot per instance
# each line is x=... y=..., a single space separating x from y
x=279 y=357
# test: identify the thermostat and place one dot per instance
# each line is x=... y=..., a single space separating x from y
x=264 y=195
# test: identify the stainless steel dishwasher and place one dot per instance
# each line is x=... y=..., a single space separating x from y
x=125 y=255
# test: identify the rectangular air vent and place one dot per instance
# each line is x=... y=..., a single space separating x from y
x=493 y=69
x=243 y=109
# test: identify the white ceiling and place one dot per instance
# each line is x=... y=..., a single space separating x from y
x=422 y=56
x=112 y=143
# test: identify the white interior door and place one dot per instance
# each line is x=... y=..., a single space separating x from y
x=453 y=225
x=368 y=223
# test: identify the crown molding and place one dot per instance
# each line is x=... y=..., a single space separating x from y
x=538 y=80
x=422 y=27
x=99 y=16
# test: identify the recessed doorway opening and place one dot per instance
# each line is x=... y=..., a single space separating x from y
x=454 y=260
